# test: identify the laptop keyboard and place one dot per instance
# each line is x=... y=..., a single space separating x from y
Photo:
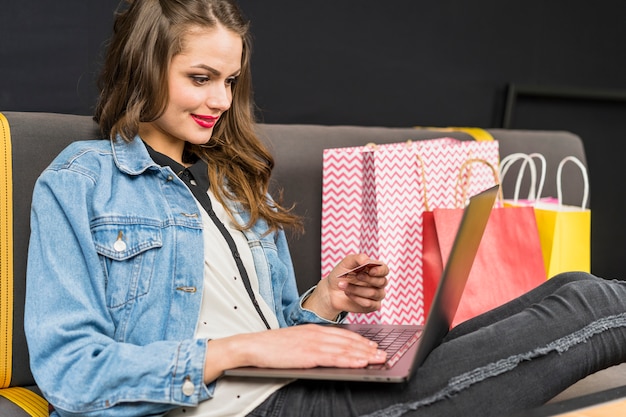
x=396 y=342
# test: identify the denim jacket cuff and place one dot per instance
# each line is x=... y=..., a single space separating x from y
x=310 y=316
x=188 y=386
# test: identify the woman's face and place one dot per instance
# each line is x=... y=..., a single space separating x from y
x=200 y=85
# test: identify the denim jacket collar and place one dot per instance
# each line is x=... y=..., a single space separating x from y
x=132 y=157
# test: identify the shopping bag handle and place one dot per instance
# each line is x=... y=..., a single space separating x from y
x=534 y=191
x=559 y=185
x=422 y=171
x=466 y=165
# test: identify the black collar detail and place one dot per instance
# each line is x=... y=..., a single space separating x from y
x=199 y=170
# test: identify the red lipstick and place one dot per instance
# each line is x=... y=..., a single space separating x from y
x=206 y=122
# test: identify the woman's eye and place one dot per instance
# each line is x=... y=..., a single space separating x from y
x=200 y=79
x=231 y=81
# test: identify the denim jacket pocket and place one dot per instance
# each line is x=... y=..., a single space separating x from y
x=127 y=253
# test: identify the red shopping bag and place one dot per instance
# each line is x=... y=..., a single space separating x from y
x=373 y=201
x=509 y=261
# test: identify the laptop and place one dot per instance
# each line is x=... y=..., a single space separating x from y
x=416 y=341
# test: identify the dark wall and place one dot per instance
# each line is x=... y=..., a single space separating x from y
x=406 y=62
x=49 y=53
x=394 y=63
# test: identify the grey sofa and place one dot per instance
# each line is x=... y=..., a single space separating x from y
x=31 y=140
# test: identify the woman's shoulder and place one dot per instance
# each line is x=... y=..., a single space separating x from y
x=83 y=152
x=89 y=159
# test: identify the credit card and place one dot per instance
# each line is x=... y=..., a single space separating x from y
x=360 y=268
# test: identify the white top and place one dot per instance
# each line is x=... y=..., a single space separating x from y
x=227 y=310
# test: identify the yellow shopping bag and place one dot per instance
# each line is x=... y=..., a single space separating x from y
x=564 y=230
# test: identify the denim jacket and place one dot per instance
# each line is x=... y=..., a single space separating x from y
x=114 y=283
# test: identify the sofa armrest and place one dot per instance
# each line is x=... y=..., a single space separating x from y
x=29 y=142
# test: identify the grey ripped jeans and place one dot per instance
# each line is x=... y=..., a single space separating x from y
x=514 y=357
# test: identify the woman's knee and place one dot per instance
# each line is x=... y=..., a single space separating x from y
x=590 y=294
x=573 y=276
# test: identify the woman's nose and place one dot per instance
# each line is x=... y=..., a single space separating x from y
x=220 y=98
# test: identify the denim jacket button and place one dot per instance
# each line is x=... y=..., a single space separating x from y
x=188 y=387
x=119 y=246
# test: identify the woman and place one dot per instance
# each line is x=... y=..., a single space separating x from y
x=164 y=261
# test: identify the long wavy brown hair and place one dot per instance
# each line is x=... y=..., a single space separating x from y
x=147 y=34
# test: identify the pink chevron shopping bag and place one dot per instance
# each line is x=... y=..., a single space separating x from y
x=373 y=201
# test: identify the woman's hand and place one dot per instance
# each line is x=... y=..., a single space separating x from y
x=304 y=346
x=360 y=292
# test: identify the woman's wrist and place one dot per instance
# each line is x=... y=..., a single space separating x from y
x=318 y=301
x=223 y=354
